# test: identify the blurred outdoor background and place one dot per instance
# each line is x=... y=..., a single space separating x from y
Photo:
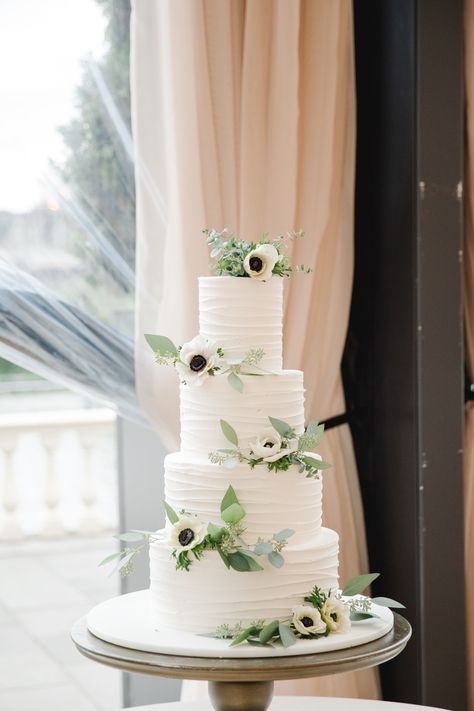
x=66 y=258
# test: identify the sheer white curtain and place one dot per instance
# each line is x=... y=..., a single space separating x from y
x=244 y=112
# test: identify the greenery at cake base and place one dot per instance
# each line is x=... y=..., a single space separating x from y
x=320 y=615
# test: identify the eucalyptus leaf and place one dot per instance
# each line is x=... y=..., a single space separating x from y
x=171 y=513
x=387 y=602
x=287 y=636
x=122 y=562
x=283 y=535
x=215 y=532
x=257 y=643
x=243 y=563
x=110 y=558
x=130 y=537
x=161 y=344
x=314 y=427
x=263 y=548
x=235 y=382
x=230 y=497
x=276 y=559
x=269 y=631
x=229 y=433
x=239 y=562
x=280 y=426
x=357 y=585
x=357 y=616
x=224 y=556
x=233 y=513
x=244 y=635
x=254 y=567
x=316 y=463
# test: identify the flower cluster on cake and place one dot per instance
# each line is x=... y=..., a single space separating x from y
x=243 y=554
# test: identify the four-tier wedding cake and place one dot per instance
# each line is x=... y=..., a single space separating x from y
x=243 y=540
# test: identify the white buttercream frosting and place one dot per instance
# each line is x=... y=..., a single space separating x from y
x=209 y=595
x=280 y=396
x=272 y=500
x=242 y=313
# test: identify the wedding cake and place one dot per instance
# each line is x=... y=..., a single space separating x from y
x=244 y=539
x=243 y=555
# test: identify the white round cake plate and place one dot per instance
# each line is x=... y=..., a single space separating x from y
x=126 y=622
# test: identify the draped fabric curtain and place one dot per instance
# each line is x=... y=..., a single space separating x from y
x=469 y=331
x=244 y=116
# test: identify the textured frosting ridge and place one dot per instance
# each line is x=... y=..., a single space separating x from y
x=209 y=595
x=240 y=314
x=280 y=396
x=272 y=500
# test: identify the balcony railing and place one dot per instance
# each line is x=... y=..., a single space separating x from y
x=57 y=473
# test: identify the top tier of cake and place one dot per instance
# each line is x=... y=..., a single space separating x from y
x=239 y=314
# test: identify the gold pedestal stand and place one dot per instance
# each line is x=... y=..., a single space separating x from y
x=243 y=684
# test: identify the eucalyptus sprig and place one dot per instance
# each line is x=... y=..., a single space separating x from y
x=228 y=540
x=125 y=558
x=229 y=253
x=167 y=353
x=293 y=449
x=333 y=611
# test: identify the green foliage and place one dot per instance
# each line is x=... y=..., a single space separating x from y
x=229 y=433
x=171 y=513
x=287 y=635
x=316 y=597
x=233 y=514
x=229 y=498
x=235 y=382
x=161 y=345
x=283 y=428
x=229 y=253
x=357 y=585
x=387 y=602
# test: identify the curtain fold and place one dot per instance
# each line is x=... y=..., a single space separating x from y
x=255 y=110
x=469 y=343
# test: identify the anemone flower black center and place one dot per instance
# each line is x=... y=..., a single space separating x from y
x=255 y=264
x=186 y=536
x=198 y=362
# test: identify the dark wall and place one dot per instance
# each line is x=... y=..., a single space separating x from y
x=403 y=364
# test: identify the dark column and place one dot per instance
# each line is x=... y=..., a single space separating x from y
x=403 y=365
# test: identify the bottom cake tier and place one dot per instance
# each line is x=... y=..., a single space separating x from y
x=209 y=595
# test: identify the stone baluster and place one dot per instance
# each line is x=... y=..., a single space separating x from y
x=53 y=525
x=89 y=523
x=10 y=528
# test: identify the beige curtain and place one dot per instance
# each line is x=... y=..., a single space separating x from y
x=469 y=330
x=244 y=114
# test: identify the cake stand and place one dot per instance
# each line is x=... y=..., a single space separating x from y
x=243 y=684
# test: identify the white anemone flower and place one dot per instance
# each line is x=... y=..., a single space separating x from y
x=187 y=533
x=196 y=359
x=259 y=262
x=336 y=614
x=307 y=620
x=269 y=447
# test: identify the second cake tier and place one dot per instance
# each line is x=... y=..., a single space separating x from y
x=272 y=500
x=280 y=396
